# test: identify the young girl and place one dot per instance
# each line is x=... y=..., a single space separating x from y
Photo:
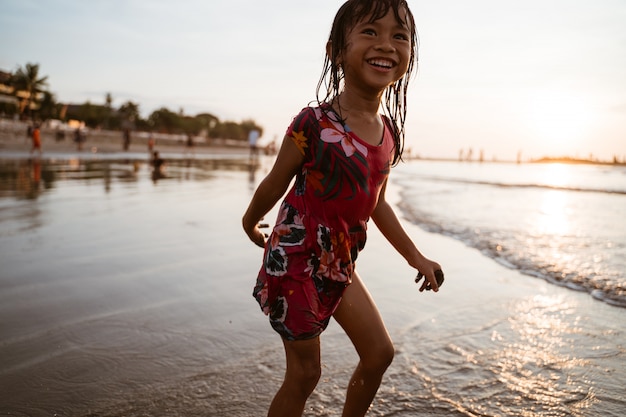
x=340 y=152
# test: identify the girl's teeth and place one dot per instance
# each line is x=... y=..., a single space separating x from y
x=384 y=64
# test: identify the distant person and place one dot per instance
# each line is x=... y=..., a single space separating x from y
x=36 y=139
x=253 y=137
x=308 y=271
x=59 y=134
x=126 y=139
x=78 y=139
x=189 y=145
x=151 y=143
x=158 y=166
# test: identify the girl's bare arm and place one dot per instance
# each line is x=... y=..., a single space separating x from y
x=388 y=223
x=288 y=163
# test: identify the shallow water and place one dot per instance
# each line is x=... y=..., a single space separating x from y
x=122 y=295
x=561 y=222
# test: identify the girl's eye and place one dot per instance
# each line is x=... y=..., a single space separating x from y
x=402 y=36
x=369 y=32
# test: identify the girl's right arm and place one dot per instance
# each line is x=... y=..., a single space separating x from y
x=288 y=163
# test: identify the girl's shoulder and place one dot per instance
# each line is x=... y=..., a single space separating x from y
x=306 y=116
x=312 y=119
x=317 y=113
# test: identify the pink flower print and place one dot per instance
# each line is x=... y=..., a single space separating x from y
x=330 y=267
x=279 y=231
x=289 y=230
x=262 y=297
x=330 y=135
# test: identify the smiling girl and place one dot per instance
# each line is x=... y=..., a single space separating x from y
x=340 y=153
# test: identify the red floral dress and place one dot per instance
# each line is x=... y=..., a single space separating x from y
x=321 y=226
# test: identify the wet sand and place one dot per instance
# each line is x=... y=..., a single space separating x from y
x=122 y=296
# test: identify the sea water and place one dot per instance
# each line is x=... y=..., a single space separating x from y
x=127 y=294
x=565 y=223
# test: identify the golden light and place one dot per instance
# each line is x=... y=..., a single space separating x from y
x=553 y=219
x=553 y=215
x=556 y=174
x=559 y=118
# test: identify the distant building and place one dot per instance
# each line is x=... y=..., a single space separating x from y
x=9 y=97
x=6 y=91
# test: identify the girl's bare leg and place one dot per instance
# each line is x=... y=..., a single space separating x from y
x=303 y=372
x=358 y=315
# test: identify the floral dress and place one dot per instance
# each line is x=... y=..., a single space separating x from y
x=321 y=226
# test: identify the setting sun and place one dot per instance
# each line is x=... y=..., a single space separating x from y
x=559 y=118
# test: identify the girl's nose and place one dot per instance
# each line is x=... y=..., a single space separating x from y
x=385 y=44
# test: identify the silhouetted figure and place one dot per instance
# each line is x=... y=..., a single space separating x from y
x=158 y=166
x=79 y=139
x=36 y=139
x=151 y=143
x=126 y=139
x=189 y=145
x=253 y=137
x=59 y=135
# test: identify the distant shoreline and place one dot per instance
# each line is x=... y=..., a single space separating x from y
x=567 y=160
x=13 y=139
x=542 y=160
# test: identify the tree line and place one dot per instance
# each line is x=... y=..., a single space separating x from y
x=34 y=101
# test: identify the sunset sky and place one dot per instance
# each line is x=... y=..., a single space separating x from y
x=540 y=77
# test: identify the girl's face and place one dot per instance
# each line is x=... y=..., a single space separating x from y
x=376 y=54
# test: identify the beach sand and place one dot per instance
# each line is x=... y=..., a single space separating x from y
x=136 y=301
x=13 y=141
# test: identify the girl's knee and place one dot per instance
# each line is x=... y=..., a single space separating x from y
x=379 y=357
x=311 y=372
x=305 y=376
x=304 y=367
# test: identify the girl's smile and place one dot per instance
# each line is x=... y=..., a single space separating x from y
x=382 y=64
x=377 y=53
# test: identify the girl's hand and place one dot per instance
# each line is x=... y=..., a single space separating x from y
x=426 y=285
x=432 y=274
x=256 y=235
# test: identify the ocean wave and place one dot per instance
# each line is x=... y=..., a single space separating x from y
x=605 y=285
x=524 y=185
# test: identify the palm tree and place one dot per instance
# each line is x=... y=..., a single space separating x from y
x=28 y=81
x=130 y=114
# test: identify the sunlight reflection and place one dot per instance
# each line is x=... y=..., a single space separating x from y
x=556 y=175
x=536 y=366
x=553 y=217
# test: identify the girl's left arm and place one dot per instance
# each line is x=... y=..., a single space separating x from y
x=388 y=223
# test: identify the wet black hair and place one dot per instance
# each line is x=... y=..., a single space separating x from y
x=350 y=14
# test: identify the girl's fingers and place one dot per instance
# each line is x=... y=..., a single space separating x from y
x=427 y=285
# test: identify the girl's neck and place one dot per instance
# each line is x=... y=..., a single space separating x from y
x=355 y=105
x=361 y=115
